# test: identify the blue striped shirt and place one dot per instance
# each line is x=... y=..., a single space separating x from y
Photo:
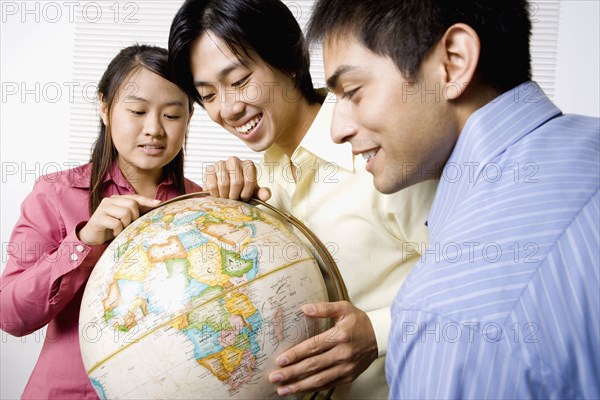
x=505 y=302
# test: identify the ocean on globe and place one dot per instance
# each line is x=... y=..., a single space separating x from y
x=195 y=300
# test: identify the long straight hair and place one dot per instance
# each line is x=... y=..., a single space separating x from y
x=104 y=153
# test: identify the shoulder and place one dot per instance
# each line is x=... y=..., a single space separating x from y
x=77 y=177
x=554 y=170
x=567 y=134
x=62 y=191
x=191 y=186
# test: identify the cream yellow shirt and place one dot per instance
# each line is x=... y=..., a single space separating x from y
x=374 y=238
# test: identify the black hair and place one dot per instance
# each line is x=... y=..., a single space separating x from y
x=407 y=30
x=104 y=153
x=264 y=27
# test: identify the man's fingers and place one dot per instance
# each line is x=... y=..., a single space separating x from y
x=324 y=380
x=222 y=180
x=233 y=169
x=326 y=309
x=312 y=374
x=250 y=184
x=301 y=369
x=234 y=179
x=211 y=181
x=263 y=193
x=314 y=345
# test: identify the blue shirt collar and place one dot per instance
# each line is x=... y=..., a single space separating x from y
x=488 y=133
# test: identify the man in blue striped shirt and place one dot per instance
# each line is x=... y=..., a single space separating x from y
x=505 y=302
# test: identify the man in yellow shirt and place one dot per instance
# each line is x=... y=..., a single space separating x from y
x=255 y=83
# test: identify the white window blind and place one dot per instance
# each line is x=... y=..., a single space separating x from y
x=545 y=16
x=102 y=28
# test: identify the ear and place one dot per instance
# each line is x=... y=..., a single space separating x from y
x=103 y=109
x=191 y=114
x=462 y=47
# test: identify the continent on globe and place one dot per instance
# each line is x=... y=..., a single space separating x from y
x=195 y=300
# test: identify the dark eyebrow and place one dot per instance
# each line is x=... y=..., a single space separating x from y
x=332 y=82
x=222 y=74
x=167 y=104
x=136 y=98
x=174 y=103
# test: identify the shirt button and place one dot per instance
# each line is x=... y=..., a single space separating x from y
x=79 y=248
x=74 y=257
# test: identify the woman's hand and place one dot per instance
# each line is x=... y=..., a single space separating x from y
x=113 y=215
x=234 y=179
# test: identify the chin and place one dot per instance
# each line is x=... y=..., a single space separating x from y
x=387 y=186
x=258 y=147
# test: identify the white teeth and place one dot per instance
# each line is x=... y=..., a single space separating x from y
x=152 y=147
x=367 y=155
x=249 y=125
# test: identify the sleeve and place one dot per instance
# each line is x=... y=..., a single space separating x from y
x=267 y=177
x=381 y=321
x=46 y=266
x=433 y=357
x=403 y=214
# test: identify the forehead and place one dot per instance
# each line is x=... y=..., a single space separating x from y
x=344 y=49
x=143 y=83
x=346 y=58
x=211 y=55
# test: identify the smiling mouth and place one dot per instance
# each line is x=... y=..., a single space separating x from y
x=367 y=155
x=248 y=126
x=147 y=146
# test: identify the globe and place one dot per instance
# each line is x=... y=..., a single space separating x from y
x=195 y=299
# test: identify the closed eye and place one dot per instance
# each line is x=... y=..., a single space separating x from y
x=137 y=112
x=349 y=94
x=241 y=81
x=207 y=97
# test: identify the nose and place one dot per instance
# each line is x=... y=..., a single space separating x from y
x=343 y=127
x=153 y=125
x=232 y=108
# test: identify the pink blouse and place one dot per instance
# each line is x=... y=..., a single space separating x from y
x=48 y=267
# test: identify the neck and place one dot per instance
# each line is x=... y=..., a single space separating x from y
x=306 y=115
x=144 y=182
x=476 y=97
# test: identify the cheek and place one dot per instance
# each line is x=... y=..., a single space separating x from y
x=120 y=141
x=253 y=93
x=122 y=124
x=212 y=109
x=369 y=116
x=179 y=134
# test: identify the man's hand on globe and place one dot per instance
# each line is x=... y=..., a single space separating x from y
x=234 y=179
x=335 y=357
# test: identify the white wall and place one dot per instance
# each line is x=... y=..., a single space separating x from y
x=33 y=131
x=578 y=69
x=33 y=140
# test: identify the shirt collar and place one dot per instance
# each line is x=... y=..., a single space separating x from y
x=502 y=122
x=119 y=178
x=488 y=133
x=318 y=141
x=81 y=177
